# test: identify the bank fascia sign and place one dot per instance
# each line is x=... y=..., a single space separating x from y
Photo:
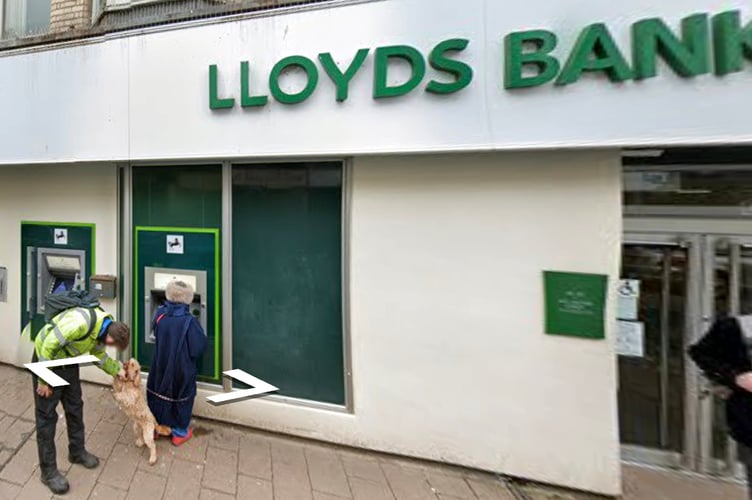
x=702 y=44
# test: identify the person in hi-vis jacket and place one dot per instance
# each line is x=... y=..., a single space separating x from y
x=70 y=334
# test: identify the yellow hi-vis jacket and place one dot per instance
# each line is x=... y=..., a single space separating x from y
x=68 y=335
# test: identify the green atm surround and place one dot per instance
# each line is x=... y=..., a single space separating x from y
x=201 y=252
x=40 y=236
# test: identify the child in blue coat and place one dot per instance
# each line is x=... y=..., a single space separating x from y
x=180 y=342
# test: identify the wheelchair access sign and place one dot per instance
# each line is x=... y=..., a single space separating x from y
x=628 y=295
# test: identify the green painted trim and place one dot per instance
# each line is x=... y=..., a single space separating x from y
x=159 y=229
x=58 y=223
x=217 y=304
x=217 y=293
x=136 y=273
x=93 y=252
x=91 y=225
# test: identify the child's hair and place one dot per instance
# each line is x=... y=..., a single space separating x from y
x=179 y=292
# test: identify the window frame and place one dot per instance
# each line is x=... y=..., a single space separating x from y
x=710 y=212
x=126 y=256
x=20 y=36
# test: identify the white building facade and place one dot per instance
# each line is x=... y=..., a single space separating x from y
x=374 y=190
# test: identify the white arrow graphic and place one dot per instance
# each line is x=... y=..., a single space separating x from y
x=42 y=368
x=259 y=387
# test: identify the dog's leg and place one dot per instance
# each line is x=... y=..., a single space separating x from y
x=148 y=437
x=139 y=432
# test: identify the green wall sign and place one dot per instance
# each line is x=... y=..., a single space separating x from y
x=575 y=304
x=703 y=44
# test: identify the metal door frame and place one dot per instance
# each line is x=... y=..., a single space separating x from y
x=693 y=327
x=730 y=466
x=700 y=313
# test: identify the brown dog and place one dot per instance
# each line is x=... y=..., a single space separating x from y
x=130 y=398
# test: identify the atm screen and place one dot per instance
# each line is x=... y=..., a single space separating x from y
x=61 y=285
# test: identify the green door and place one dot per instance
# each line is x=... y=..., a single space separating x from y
x=287 y=277
x=184 y=201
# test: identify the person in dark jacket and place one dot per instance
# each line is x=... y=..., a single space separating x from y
x=179 y=343
x=723 y=354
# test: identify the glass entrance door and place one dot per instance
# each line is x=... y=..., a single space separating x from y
x=653 y=310
x=729 y=293
x=672 y=288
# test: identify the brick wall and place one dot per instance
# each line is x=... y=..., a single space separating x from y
x=66 y=15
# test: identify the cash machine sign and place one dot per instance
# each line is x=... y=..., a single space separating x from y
x=61 y=236
x=175 y=243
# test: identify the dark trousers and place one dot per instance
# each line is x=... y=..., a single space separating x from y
x=46 y=417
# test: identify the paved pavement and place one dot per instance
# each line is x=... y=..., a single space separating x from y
x=227 y=462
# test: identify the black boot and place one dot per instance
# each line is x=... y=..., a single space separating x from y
x=56 y=482
x=84 y=458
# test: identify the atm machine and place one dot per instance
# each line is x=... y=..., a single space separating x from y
x=53 y=270
x=156 y=283
x=55 y=258
x=192 y=255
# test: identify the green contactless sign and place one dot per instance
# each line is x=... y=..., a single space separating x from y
x=575 y=304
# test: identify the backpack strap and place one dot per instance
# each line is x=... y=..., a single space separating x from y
x=155 y=322
x=92 y=321
x=185 y=326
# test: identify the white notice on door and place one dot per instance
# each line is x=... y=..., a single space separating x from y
x=175 y=243
x=630 y=339
x=628 y=296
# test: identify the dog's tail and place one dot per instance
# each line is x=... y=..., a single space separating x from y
x=163 y=430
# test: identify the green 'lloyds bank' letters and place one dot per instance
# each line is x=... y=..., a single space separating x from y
x=702 y=44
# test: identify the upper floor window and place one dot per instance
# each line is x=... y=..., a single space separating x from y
x=22 y=18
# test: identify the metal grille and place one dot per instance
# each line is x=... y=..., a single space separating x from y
x=54 y=21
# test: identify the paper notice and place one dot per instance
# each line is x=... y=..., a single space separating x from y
x=628 y=296
x=630 y=339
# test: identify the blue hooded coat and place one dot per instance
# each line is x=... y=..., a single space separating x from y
x=171 y=386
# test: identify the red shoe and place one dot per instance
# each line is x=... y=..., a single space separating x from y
x=177 y=440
